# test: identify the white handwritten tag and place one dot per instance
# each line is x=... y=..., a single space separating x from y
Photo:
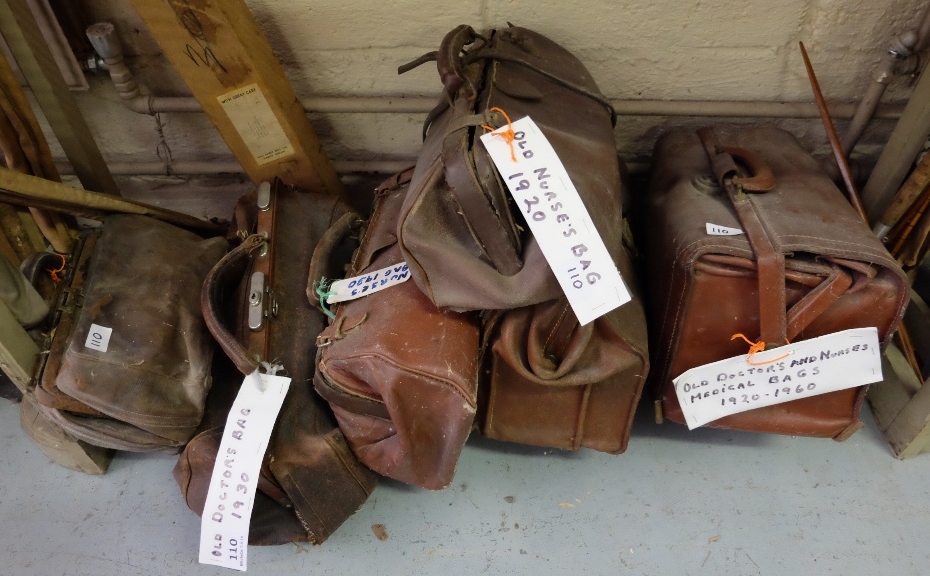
x=256 y=123
x=224 y=526
x=98 y=338
x=559 y=220
x=358 y=286
x=825 y=364
x=718 y=230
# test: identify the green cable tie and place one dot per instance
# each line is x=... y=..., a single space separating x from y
x=323 y=292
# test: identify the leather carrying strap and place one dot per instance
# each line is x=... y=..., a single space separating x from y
x=771 y=263
x=209 y=301
x=484 y=222
x=775 y=326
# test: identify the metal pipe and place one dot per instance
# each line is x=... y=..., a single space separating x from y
x=103 y=38
x=901 y=48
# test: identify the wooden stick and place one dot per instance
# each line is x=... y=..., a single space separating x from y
x=906 y=225
x=838 y=152
x=910 y=191
x=907 y=347
x=26 y=190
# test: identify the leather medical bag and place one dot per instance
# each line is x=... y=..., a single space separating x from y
x=804 y=266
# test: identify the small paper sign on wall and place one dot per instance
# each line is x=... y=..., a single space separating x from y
x=833 y=362
x=558 y=219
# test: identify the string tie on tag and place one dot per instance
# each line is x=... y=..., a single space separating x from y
x=755 y=347
x=322 y=293
x=270 y=368
x=508 y=135
x=54 y=272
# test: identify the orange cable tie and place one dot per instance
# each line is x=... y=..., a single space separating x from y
x=509 y=135
x=755 y=347
x=54 y=273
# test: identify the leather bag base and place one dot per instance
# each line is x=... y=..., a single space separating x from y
x=555 y=383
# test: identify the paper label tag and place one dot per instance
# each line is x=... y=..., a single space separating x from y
x=556 y=215
x=98 y=338
x=254 y=120
x=358 y=286
x=717 y=230
x=224 y=526
x=825 y=364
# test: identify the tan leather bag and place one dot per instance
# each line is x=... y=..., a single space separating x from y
x=400 y=374
x=467 y=245
x=806 y=266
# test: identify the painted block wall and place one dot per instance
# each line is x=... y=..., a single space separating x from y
x=681 y=50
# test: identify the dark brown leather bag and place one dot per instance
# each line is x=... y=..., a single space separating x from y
x=400 y=375
x=807 y=266
x=556 y=383
x=458 y=231
x=311 y=482
x=146 y=390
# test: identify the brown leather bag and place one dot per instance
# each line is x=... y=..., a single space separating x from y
x=806 y=266
x=400 y=374
x=143 y=386
x=556 y=383
x=311 y=482
x=459 y=233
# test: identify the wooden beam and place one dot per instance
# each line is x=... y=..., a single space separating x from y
x=35 y=60
x=227 y=63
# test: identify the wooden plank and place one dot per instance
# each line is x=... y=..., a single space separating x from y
x=899 y=153
x=58 y=445
x=909 y=431
x=227 y=63
x=35 y=60
x=889 y=397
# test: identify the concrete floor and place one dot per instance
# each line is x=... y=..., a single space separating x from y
x=704 y=502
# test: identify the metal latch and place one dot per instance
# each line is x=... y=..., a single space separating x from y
x=262 y=303
x=264 y=196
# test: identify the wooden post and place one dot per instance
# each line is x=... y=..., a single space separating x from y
x=21 y=32
x=900 y=152
x=901 y=402
x=227 y=63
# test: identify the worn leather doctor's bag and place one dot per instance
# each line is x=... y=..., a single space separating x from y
x=254 y=304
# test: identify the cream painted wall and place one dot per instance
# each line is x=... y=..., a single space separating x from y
x=686 y=49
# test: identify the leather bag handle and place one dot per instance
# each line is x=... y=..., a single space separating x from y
x=348 y=224
x=209 y=302
x=448 y=58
